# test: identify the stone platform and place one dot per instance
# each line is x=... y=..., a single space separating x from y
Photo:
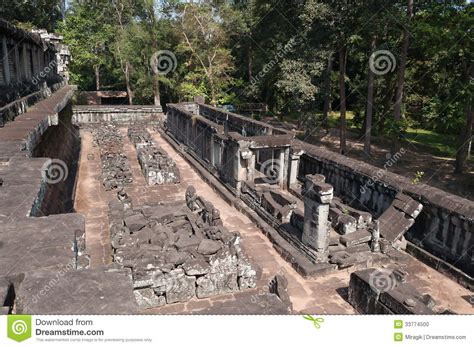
x=325 y=294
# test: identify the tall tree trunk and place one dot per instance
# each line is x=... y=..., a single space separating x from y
x=250 y=62
x=97 y=77
x=327 y=93
x=127 y=82
x=464 y=142
x=401 y=79
x=154 y=44
x=369 y=108
x=465 y=137
x=386 y=103
x=125 y=66
x=342 y=94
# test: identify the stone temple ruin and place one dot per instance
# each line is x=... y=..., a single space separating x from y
x=157 y=166
x=121 y=209
x=178 y=251
x=115 y=167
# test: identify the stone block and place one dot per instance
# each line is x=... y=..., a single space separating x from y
x=135 y=222
x=146 y=298
x=355 y=238
x=179 y=286
x=208 y=247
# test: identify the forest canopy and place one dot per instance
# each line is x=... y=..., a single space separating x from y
x=382 y=67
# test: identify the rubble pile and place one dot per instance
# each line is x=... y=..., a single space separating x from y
x=388 y=291
x=116 y=170
x=271 y=200
x=157 y=167
x=177 y=251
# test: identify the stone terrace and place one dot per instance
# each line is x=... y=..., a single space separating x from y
x=326 y=294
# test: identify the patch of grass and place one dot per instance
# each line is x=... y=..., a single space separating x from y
x=335 y=117
x=441 y=145
x=437 y=144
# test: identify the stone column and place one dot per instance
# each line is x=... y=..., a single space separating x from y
x=294 y=164
x=39 y=64
x=188 y=129
x=17 y=64
x=249 y=157
x=317 y=196
x=212 y=151
x=237 y=171
x=6 y=64
x=281 y=172
x=26 y=67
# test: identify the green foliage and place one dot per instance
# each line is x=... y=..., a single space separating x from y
x=88 y=32
x=418 y=176
x=277 y=53
x=42 y=14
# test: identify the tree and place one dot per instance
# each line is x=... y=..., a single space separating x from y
x=152 y=27
x=401 y=79
x=205 y=44
x=87 y=31
x=370 y=103
x=123 y=13
x=43 y=14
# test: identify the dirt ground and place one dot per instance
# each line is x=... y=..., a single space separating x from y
x=437 y=171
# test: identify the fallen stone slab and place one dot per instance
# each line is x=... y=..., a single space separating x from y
x=399 y=217
x=355 y=238
x=135 y=222
x=77 y=292
x=208 y=247
x=408 y=205
x=384 y=291
x=146 y=298
x=259 y=304
x=196 y=267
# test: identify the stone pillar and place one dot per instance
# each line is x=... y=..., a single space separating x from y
x=212 y=151
x=188 y=130
x=26 y=67
x=294 y=164
x=249 y=157
x=317 y=197
x=17 y=64
x=6 y=64
x=251 y=163
x=34 y=55
x=237 y=171
x=39 y=64
x=281 y=172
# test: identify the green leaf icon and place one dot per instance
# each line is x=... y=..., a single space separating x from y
x=19 y=327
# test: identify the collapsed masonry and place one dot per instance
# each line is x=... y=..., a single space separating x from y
x=116 y=170
x=266 y=167
x=329 y=233
x=177 y=251
x=157 y=166
x=289 y=188
x=384 y=291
